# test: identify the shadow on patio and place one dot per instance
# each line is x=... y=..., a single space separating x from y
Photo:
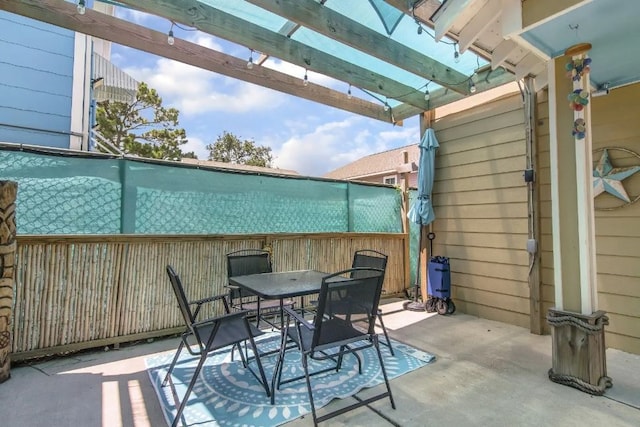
x=486 y=373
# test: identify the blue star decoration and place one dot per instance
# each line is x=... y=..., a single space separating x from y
x=608 y=179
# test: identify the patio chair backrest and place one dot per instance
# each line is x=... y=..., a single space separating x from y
x=183 y=303
x=248 y=261
x=344 y=298
x=369 y=258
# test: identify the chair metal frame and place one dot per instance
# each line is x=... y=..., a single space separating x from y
x=335 y=335
x=229 y=329
x=375 y=259
x=255 y=261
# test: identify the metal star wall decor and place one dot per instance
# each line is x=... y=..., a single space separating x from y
x=608 y=179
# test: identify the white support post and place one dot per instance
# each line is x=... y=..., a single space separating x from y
x=555 y=190
x=80 y=93
x=584 y=192
x=572 y=210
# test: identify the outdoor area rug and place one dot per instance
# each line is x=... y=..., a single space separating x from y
x=227 y=394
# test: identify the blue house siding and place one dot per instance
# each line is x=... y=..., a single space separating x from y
x=36 y=78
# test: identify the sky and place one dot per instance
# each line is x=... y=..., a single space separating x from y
x=304 y=136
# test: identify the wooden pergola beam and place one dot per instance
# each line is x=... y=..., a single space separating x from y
x=404 y=111
x=288 y=28
x=64 y=14
x=487 y=79
x=323 y=20
x=219 y=23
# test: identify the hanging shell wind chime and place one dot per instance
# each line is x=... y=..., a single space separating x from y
x=577 y=70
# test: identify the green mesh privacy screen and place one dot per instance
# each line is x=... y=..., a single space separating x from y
x=62 y=194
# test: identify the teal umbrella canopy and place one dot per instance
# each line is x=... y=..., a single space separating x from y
x=422 y=210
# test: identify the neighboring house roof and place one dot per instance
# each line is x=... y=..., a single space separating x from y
x=244 y=168
x=384 y=163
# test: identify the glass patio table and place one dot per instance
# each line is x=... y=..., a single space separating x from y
x=281 y=285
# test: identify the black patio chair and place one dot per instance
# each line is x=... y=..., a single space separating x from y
x=374 y=259
x=335 y=334
x=252 y=261
x=205 y=336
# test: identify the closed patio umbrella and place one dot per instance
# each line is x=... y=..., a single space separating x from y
x=422 y=210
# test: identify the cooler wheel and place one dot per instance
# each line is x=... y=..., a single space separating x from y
x=452 y=307
x=442 y=307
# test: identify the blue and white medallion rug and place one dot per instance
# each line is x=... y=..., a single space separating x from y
x=227 y=394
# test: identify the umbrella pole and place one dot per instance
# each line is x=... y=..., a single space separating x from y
x=416 y=305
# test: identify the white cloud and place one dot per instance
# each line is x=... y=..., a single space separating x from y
x=134 y=16
x=204 y=39
x=197 y=145
x=297 y=71
x=409 y=134
x=195 y=91
x=244 y=98
x=335 y=144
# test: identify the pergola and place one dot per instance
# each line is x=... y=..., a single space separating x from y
x=394 y=50
x=397 y=50
x=370 y=46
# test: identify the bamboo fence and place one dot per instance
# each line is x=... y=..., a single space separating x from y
x=78 y=292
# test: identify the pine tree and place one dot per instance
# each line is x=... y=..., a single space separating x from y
x=144 y=128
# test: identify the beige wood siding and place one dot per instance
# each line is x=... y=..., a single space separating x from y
x=480 y=200
x=614 y=124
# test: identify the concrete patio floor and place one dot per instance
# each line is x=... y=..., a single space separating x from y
x=486 y=374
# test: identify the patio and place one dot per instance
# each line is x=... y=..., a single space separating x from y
x=486 y=373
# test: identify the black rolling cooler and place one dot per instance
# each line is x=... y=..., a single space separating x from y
x=439 y=286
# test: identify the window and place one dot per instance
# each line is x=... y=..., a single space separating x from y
x=391 y=180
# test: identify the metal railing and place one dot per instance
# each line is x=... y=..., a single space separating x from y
x=97 y=142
